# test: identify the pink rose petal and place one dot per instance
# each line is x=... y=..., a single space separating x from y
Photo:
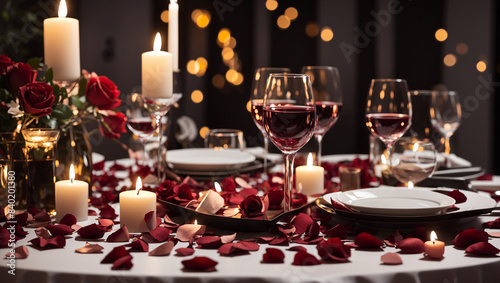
x=162 y=250
x=120 y=235
x=482 y=249
x=108 y=212
x=305 y=258
x=92 y=231
x=61 y=229
x=42 y=232
x=160 y=233
x=367 y=241
x=123 y=263
x=273 y=255
x=76 y=227
x=187 y=232
x=138 y=245
x=494 y=234
x=151 y=221
x=90 y=249
x=391 y=259
x=200 y=263
x=19 y=253
x=302 y=222
x=108 y=223
x=184 y=251
x=242 y=183
x=115 y=254
x=228 y=238
x=469 y=237
x=68 y=219
x=411 y=246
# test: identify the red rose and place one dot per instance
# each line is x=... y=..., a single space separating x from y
x=19 y=74
x=37 y=98
x=183 y=194
x=102 y=92
x=275 y=198
x=116 y=122
x=171 y=191
x=165 y=191
x=252 y=206
x=4 y=63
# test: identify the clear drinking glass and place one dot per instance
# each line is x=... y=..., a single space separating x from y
x=446 y=114
x=289 y=119
x=257 y=99
x=327 y=92
x=225 y=138
x=413 y=160
x=388 y=110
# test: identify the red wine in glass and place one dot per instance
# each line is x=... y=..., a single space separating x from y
x=289 y=127
x=327 y=113
x=389 y=127
x=141 y=127
x=257 y=114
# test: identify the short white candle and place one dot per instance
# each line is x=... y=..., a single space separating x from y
x=134 y=205
x=434 y=248
x=61 y=38
x=310 y=178
x=157 y=76
x=173 y=33
x=72 y=197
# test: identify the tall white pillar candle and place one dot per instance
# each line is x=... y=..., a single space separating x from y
x=134 y=205
x=157 y=75
x=61 y=40
x=311 y=178
x=72 y=197
x=173 y=33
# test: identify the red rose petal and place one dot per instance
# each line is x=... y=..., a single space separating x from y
x=56 y=242
x=393 y=240
x=247 y=246
x=482 y=249
x=92 y=212
x=273 y=255
x=184 y=251
x=115 y=254
x=120 y=235
x=92 y=231
x=187 y=231
x=248 y=191
x=305 y=258
x=162 y=250
x=22 y=218
x=209 y=242
x=200 y=263
x=42 y=216
x=19 y=253
x=297 y=248
x=339 y=206
x=411 y=246
x=68 y=219
x=42 y=232
x=333 y=249
x=367 y=241
x=108 y=212
x=123 y=263
x=264 y=239
x=458 y=196
x=391 y=259
x=495 y=224
x=469 y=237
x=90 y=249
x=160 y=234
x=338 y=230
x=138 y=245
x=60 y=229
x=302 y=222
x=151 y=221
x=108 y=223
x=279 y=241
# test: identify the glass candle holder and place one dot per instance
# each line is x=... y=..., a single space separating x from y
x=40 y=155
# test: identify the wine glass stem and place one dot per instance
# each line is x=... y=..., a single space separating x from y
x=266 y=150
x=289 y=158
x=143 y=157
x=447 y=148
x=319 y=138
x=160 y=133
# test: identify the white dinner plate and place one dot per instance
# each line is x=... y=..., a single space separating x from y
x=493 y=185
x=386 y=200
x=208 y=159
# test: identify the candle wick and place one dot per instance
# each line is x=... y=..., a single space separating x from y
x=71 y=180
x=139 y=191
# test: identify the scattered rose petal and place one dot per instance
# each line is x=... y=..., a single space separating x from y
x=115 y=254
x=42 y=216
x=391 y=259
x=393 y=240
x=138 y=245
x=68 y=219
x=184 y=251
x=238 y=248
x=108 y=223
x=42 y=232
x=228 y=238
x=495 y=224
x=297 y=248
x=367 y=241
x=248 y=191
x=151 y=221
x=242 y=183
x=209 y=242
x=200 y=263
x=187 y=231
x=92 y=212
x=163 y=249
x=56 y=242
x=61 y=229
x=273 y=255
x=301 y=223
x=160 y=233
x=333 y=249
x=108 y=212
x=469 y=237
x=18 y=230
x=264 y=239
x=339 y=206
x=123 y=263
x=279 y=241
x=22 y=218
x=482 y=249
x=494 y=234
x=304 y=258
x=92 y=231
x=411 y=246
x=90 y=249
x=19 y=253
x=458 y=196
x=76 y=227
x=338 y=230
x=120 y=235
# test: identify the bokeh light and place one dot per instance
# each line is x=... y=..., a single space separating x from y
x=203 y=131
x=292 y=13
x=450 y=60
x=462 y=48
x=197 y=96
x=218 y=81
x=312 y=29
x=441 y=34
x=164 y=16
x=271 y=5
x=481 y=66
x=283 y=22
x=326 y=34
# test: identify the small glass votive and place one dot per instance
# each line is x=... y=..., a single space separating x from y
x=350 y=178
x=225 y=138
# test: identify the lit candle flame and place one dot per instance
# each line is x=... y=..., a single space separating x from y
x=433 y=236
x=173 y=1
x=72 y=173
x=195 y=222
x=157 y=43
x=63 y=9
x=383 y=160
x=309 y=160
x=217 y=187
x=138 y=185
x=415 y=147
x=410 y=185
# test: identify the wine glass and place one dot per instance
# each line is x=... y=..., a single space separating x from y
x=413 y=160
x=256 y=100
x=289 y=118
x=446 y=114
x=388 y=110
x=140 y=121
x=327 y=92
x=220 y=139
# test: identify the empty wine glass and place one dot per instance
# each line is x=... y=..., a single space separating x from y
x=388 y=110
x=413 y=160
x=327 y=92
x=289 y=119
x=257 y=99
x=139 y=120
x=219 y=139
x=446 y=114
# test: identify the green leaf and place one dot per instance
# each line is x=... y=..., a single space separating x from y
x=34 y=62
x=82 y=86
x=76 y=101
x=63 y=93
x=62 y=112
x=49 y=75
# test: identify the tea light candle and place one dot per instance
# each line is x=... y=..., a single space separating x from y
x=134 y=205
x=310 y=178
x=434 y=248
x=72 y=197
x=157 y=75
x=61 y=40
